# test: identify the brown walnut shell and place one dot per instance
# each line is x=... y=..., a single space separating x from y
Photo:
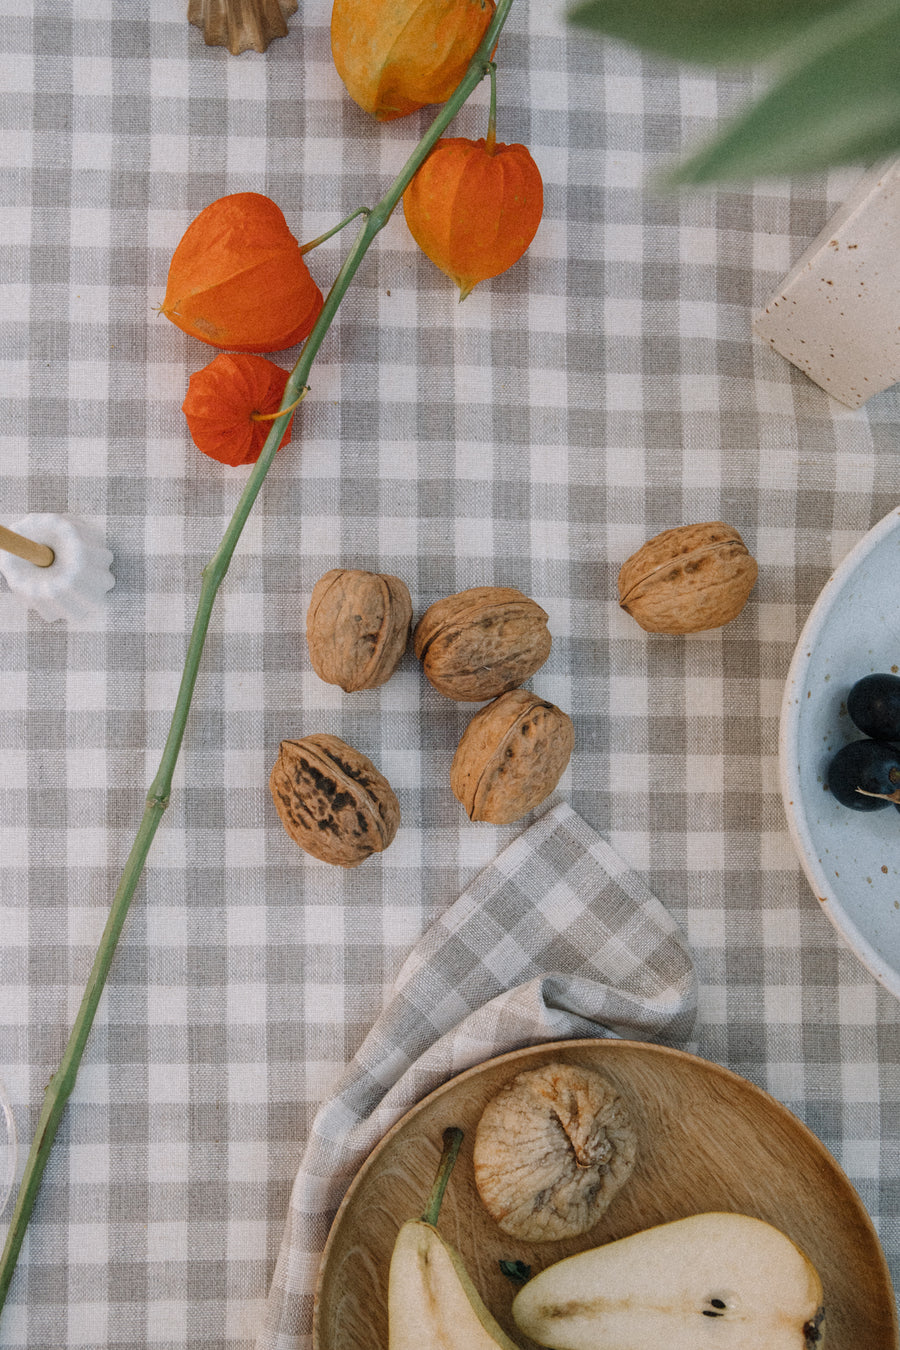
x=357 y=627
x=551 y=1150
x=688 y=579
x=332 y=800
x=481 y=642
x=511 y=756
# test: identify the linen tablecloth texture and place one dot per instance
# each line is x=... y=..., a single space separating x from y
x=556 y=938
x=605 y=388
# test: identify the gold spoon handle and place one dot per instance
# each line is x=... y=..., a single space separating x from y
x=39 y=554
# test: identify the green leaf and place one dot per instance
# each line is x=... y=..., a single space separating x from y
x=517 y=1271
x=840 y=107
x=707 y=31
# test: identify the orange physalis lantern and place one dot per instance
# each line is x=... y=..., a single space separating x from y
x=474 y=207
x=238 y=280
x=395 y=56
x=229 y=407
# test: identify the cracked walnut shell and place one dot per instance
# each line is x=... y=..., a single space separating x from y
x=688 y=579
x=357 y=627
x=481 y=642
x=511 y=756
x=551 y=1150
x=332 y=800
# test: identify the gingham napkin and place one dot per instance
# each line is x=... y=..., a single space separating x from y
x=556 y=938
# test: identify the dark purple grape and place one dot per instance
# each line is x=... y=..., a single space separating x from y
x=874 y=706
x=868 y=765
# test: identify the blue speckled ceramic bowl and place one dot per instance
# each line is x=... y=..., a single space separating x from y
x=852 y=859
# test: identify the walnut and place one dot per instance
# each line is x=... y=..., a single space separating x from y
x=481 y=642
x=551 y=1150
x=357 y=627
x=511 y=756
x=688 y=579
x=332 y=800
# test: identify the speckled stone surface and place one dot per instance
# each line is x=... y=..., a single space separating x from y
x=836 y=313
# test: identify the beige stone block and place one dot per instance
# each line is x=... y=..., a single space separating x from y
x=836 y=315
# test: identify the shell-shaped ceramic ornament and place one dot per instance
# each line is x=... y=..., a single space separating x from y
x=74 y=585
x=241 y=25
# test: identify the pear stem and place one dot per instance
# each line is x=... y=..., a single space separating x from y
x=453 y=1137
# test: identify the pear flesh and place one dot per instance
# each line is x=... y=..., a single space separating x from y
x=716 y=1280
x=432 y=1302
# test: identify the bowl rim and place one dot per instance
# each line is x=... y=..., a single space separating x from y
x=788 y=768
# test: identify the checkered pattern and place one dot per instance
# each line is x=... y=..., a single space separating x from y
x=603 y=389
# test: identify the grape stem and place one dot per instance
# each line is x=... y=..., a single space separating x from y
x=61 y=1084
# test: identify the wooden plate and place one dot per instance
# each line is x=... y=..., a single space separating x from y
x=707 y=1140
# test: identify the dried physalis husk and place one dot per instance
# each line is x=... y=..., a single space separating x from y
x=332 y=800
x=688 y=579
x=474 y=207
x=511 y=756
x=551 y=1150
x=481 y=642
x=357 y=627
x=396 y=55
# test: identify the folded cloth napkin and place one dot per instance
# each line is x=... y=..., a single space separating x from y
x=556 y=938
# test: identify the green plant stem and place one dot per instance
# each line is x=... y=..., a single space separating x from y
x=491 y=139
x=63 y=1081
x=270 y=417
x=320 y=239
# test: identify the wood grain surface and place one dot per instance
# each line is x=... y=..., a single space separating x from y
x=707 y=1140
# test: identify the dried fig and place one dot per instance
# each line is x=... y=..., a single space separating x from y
x=357 y=627
x=481 y=642
x=688 y=579
x=332 y=800
x=551 y=1150
x=511 y=756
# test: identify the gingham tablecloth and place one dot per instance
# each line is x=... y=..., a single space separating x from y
x=604 y=389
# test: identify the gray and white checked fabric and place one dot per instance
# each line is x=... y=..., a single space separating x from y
x=605 y=388
x=556 y=938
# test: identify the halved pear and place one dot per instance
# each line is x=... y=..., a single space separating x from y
x=432 y=1302
x=709 y=1280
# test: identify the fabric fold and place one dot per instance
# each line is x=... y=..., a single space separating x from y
x=557 y=938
